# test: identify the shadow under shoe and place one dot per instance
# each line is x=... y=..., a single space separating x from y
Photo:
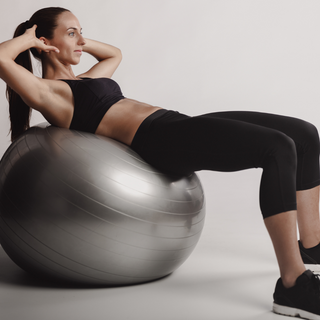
x=311 y=257
x=302 y=300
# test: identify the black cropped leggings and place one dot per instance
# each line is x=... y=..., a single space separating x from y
x=287 y=149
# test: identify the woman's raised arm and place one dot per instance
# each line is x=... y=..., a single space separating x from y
x=29 y=87
x=109 y=58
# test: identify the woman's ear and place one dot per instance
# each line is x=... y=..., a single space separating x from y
x=44 y=40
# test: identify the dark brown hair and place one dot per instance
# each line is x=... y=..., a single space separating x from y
x=46 y=21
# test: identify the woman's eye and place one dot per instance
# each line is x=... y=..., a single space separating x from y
x=71 y=34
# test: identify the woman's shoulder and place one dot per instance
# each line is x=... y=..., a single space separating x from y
x=57 y=87
x=57 y=102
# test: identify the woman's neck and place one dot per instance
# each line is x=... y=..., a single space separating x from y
x=56 y=71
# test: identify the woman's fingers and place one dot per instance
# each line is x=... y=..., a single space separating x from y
x=32 y=30
x=39 y=43
x=50 y=48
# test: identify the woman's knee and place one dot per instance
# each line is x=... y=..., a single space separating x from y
x=283 y=151
x=309 y=134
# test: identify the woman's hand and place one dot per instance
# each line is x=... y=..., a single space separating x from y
x=109 y=58
x=33 y=90
x=36 y=43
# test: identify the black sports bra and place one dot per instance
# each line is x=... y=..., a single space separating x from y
x=92 y=99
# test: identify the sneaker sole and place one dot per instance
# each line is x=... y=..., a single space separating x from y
x=293 y=312
x=313 y=267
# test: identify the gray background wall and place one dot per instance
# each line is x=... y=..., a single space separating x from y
x=201 y=56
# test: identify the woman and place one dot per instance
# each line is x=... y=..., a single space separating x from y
x=287 y=149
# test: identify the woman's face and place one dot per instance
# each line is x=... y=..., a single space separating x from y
x=68 y=39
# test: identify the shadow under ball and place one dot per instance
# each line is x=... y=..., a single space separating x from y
x=86 y=209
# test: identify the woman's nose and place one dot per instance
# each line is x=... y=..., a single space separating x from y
x=82 y=41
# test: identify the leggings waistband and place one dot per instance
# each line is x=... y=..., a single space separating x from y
x=144 y=126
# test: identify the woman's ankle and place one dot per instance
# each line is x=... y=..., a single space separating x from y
x=309 y=243
x=289 y=278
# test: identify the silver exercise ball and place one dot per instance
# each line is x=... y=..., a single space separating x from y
x=83 y=208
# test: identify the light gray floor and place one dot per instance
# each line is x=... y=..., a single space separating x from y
x=230 y=275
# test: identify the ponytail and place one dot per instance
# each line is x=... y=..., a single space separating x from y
x=19 y=112
x=46 y=21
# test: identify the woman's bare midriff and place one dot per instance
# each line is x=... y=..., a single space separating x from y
x=123 y=119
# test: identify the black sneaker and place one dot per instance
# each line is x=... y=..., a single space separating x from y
x=311 y=257
x=302 y=300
